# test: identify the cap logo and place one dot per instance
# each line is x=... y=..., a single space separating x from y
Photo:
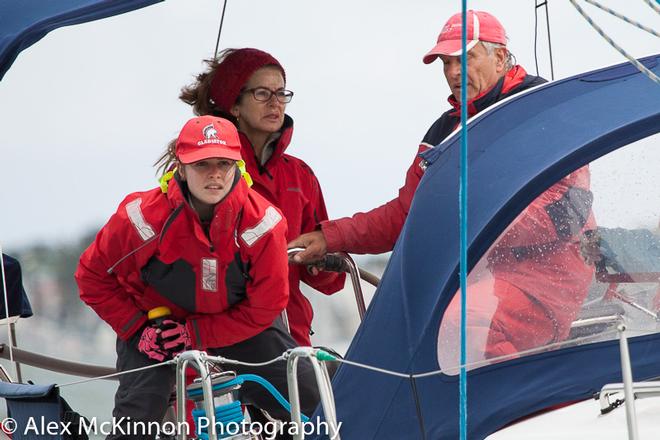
x=456 y=27
x=210 y=136
x=210 y=132
x=450 y=27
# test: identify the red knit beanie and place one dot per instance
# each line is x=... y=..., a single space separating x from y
x=234 y=71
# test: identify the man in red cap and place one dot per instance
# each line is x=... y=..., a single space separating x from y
x=540 y=278
x=491 y=77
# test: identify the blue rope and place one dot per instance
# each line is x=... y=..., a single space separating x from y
x=623 y=17
x=276 y=394
x=652 y=76
x=652 y=4
x=462 y=194
x=232 y=412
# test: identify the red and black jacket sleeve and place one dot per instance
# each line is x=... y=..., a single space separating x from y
x=108 y=294
x=557 y=216
x=324 y=282
x=375 y=231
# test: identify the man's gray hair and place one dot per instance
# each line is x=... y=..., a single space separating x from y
x=490 y=48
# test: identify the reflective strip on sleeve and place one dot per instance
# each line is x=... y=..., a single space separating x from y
x=268 y=222
x=135 y=215
x=132 y=321
x=197 y=335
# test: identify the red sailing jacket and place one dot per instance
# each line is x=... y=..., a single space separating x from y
x=539 y=252
x=154 y=252
x=376 y=231
x=290 y=184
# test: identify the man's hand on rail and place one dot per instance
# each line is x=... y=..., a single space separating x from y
x=315 y=247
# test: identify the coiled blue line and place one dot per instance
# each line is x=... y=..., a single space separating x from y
x=232 y=412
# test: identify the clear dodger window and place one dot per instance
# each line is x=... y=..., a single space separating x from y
x=582 y=255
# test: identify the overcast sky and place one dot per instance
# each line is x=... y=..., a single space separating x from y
x=86 y=111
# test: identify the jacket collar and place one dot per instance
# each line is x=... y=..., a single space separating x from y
x=281 y=144
x=512 y=79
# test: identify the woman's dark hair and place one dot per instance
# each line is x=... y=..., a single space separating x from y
x=167 y=159
x=198 y=96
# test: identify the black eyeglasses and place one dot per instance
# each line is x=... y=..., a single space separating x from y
x=262 y=94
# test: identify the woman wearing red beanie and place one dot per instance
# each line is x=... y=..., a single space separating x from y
x=247 y=86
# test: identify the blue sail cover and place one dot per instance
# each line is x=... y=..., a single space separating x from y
x=24 y=22
x=516 y=151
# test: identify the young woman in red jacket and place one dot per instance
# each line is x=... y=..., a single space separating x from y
x=211 y=250
x=248 y=87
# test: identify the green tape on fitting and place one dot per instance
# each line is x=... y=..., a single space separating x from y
x=325 y=356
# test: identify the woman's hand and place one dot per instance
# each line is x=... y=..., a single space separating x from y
x=175 y=337
x=150 y=345
x=164 y=340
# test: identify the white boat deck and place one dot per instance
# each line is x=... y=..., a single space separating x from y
x=584 y=421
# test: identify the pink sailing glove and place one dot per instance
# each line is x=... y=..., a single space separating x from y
x=174 y=337
x=150 y=345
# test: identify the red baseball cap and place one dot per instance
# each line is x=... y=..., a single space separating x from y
x=481 y=26
x=205 y=137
